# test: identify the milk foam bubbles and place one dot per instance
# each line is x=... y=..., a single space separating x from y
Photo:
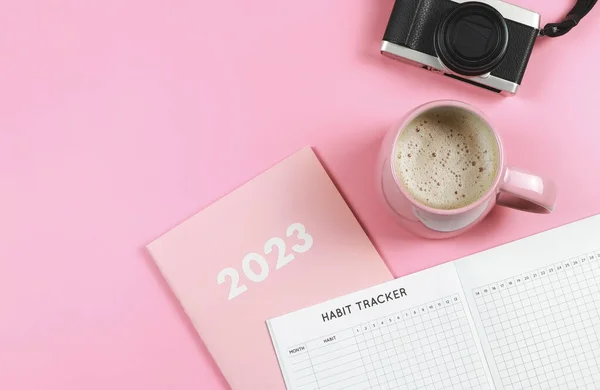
x=447 y=158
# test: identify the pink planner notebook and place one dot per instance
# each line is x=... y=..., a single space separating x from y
x=283 y=241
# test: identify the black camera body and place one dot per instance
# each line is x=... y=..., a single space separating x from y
x=486 y=43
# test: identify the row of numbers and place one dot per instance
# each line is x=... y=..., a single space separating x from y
x=575 y=265
x=410 y=313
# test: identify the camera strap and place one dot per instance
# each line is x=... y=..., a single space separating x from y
x=582 y=8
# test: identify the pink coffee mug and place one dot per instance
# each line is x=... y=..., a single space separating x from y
x=512 y=187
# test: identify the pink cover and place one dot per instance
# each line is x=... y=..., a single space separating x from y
x=293 y=205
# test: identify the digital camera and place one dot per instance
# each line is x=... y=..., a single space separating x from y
x=486 y=43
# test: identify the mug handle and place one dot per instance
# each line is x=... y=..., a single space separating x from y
x=527 y=192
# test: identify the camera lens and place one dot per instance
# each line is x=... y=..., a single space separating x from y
x=472 y=39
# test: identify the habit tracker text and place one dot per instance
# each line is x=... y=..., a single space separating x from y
x=364 y=304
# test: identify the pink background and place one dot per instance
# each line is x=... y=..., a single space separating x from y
x=120 y=119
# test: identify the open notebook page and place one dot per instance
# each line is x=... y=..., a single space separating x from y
x=536 y=305
x=412 y=332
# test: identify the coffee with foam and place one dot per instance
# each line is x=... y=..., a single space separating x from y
x=447 y=158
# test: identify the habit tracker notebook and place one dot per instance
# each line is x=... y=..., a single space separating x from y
x=525 y=315
x=283 y=241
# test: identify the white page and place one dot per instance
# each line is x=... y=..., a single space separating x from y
x=536 y=305
x=422 y=336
